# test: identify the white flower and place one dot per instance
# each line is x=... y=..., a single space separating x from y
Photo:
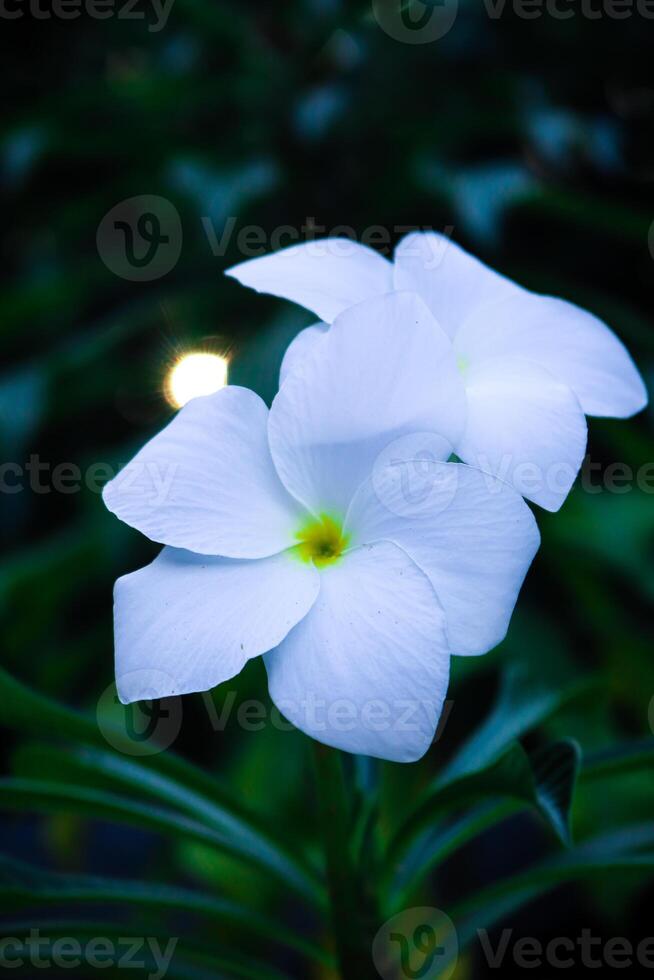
x=532 y=365
x=287 y=534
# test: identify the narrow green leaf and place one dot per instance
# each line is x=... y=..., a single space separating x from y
x=404 y=875
x=29 y=712
x=34 y=714
x=215 y=963
x=441 y=841
x=502 y=771
x=618 y=760
x=555 y=770
x=545 y=783
x=47 y=797
x=214 y=966
x=522 y=704
x=614 y=852
x=23 y=884
x=108 y=771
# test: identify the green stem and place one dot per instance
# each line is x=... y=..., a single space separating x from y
x=345 y=893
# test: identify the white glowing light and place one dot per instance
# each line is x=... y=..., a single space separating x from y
x=195 y=374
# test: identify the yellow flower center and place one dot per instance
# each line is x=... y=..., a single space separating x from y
x=322 y=541
x=462 y=363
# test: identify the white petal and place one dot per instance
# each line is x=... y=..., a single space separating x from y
x=300 y=346
x=472 y=535
x=207 y=482
x=572 y=344
x=188 y=622
x=450 y=280
x=383 y=370
x=524 y=427
x=326 y=276
x=367 y=669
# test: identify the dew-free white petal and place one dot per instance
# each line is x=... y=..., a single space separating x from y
x=524 y=427
x=367 y=668
x=384 y=369
x=326 y=276
x=472 y=535
x=188 y=622
x=300 y=347
x=207 y=482
x=452 y=282
x=572 y=344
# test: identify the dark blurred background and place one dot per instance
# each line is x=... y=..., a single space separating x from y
x=527 y=139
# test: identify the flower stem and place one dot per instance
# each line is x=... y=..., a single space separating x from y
x=345 y=892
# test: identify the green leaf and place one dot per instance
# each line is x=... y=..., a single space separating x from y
x=166 y=776
x=555 y=773
x=183 y=965
x=51 y=797
x=24 y=884
x=618 y=760
x=523 y=703
x=555 y=770
x=619 y=851
x=35 y=714
x=545 y=782
x=108 y=771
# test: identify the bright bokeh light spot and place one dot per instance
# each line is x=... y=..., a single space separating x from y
x=195 y=374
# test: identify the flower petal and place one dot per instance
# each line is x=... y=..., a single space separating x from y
x=524 y=427
x=367 y=669
x=451 y=281
x=188 y=622
x=300 y=346
x=472 y=535
x=326 y=276
x=207 y=482
x=573 y=345
x=383 y=370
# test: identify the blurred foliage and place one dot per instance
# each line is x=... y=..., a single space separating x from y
x=531 y=141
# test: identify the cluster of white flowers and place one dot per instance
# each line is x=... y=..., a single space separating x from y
x=292 y=532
